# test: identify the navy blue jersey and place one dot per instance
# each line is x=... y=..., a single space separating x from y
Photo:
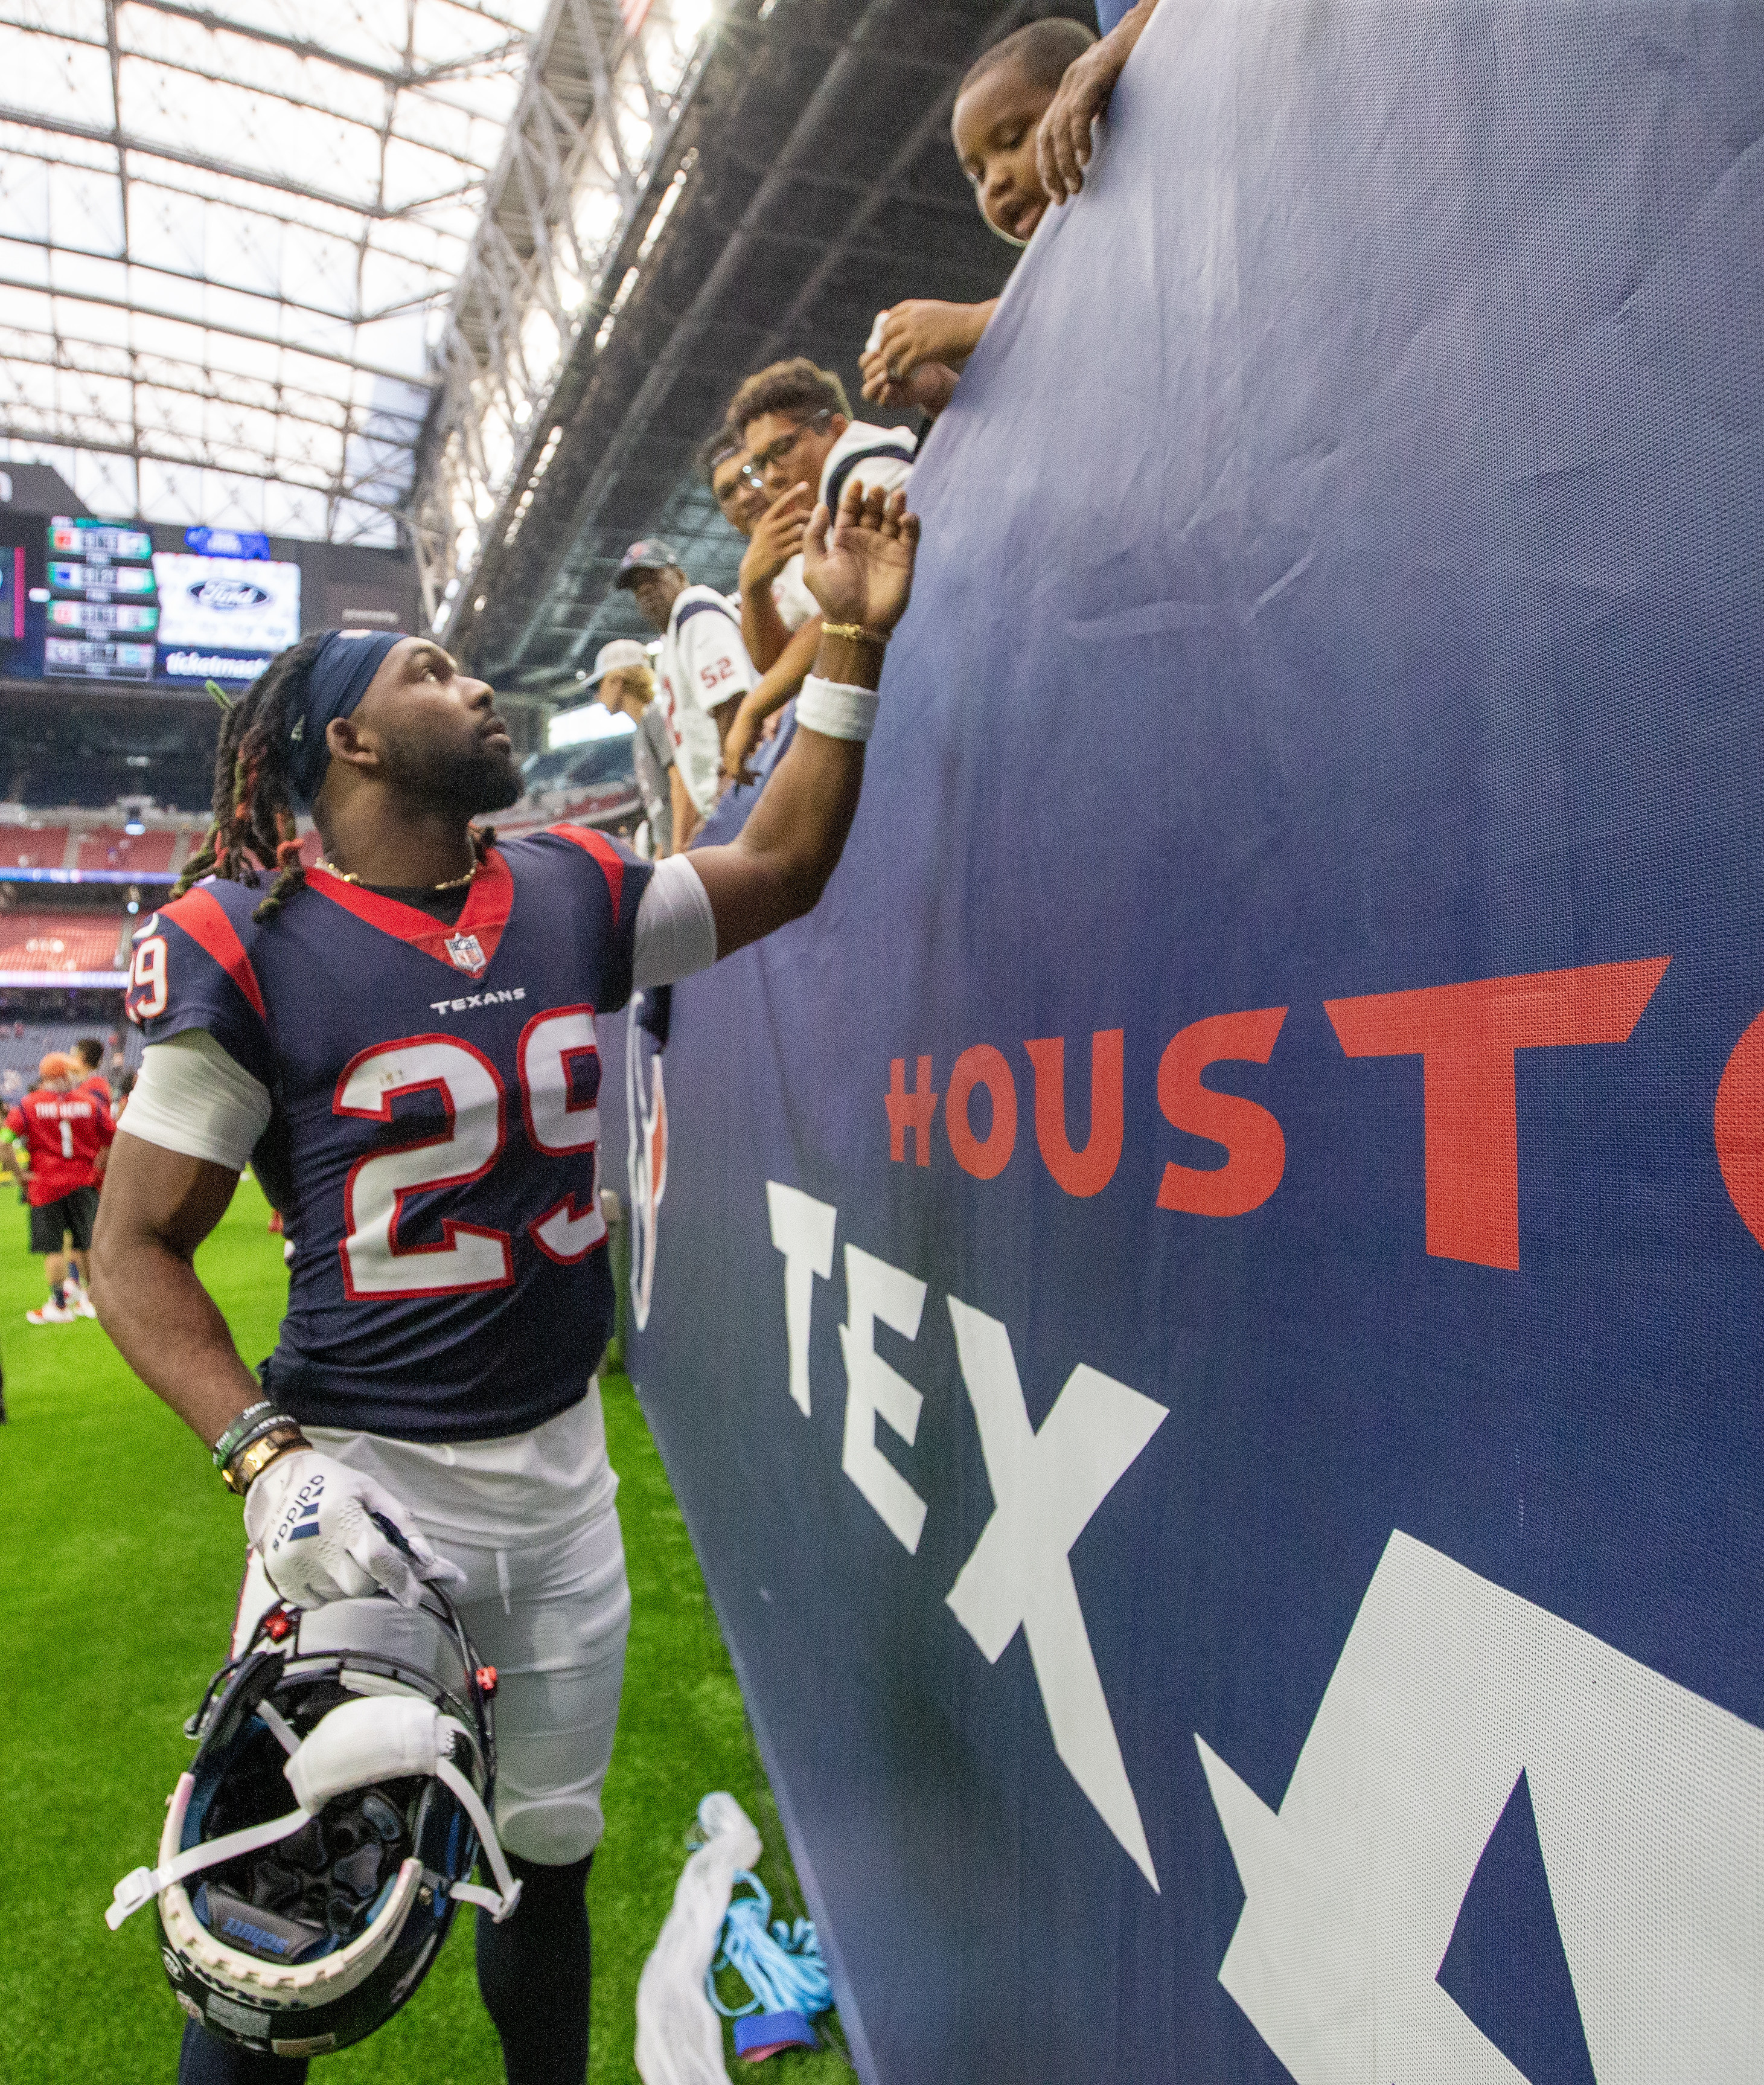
x=432 y=1145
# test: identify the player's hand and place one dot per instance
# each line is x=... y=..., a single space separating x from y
x=325 y=1532
x=860 y=567
x=743 y=734
x=777 y=536
x=1063 y=144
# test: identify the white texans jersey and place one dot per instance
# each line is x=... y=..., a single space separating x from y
x=703 y=663
x=874 y=455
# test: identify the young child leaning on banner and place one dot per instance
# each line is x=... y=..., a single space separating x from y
x=1021 y=130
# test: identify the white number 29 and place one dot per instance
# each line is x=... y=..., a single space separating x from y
x=469 y=1256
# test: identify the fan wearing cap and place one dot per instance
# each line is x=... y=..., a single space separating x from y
x=625 y=684
x=704 y=672
x=65 y=1133
x=401 y=1040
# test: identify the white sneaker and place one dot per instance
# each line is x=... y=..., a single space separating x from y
x=52 y=1313
x=82 y=1303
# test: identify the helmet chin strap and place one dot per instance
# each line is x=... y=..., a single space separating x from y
x=380 y=1738
x=498 y=1902
x=142 y=1885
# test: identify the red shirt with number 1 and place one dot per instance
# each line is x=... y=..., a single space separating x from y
x=63 y=1134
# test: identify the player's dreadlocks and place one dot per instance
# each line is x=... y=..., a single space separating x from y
x=253 y=827
x=253 y=811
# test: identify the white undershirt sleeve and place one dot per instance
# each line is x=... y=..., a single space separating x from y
x=677 y=931
x=192 y=1096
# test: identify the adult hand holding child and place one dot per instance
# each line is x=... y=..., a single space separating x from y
x=916 y=350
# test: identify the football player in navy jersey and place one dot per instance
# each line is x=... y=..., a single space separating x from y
x=402 y=1043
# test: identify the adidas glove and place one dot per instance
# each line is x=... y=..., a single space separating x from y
x=325 y=1532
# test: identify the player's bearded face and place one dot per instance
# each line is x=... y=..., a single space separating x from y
x=461 y=774
x=442 y=746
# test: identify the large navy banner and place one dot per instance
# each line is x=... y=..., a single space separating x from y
x=1204 y=1309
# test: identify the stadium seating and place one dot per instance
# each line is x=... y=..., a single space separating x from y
x=109 y=846
x=24 y=1044
x=33 y=847
x=53 y=941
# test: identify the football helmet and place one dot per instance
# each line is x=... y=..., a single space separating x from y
x=296 y=1929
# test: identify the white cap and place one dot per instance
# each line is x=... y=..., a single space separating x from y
x=613 y=658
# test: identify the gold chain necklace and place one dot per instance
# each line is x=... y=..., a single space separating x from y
x=452 y=883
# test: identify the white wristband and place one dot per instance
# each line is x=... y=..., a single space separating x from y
x=837 y=709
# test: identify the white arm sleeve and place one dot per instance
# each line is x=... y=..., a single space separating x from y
x=677 y=931
x=191 y=1097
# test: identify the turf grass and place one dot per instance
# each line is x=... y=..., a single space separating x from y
x=120 y=1558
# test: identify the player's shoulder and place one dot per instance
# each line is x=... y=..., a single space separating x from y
x=890 y=449
x=696 y=600
x=216 y=898
x=568 y=845
x=213 y=916
x=579 y=862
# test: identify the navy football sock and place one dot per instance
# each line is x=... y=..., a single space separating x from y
x=533 y=1971
x=207 y=2060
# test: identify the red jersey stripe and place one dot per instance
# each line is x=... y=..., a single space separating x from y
x=200 y=915
x=612 y=862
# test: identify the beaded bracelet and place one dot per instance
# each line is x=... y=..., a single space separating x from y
x=233 y=1438
x=271 y=1422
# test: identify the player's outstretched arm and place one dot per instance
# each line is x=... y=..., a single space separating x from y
x=860 y=569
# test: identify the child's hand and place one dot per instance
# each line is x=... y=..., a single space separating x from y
x=921 y=330
x=931 y=387
x=742 y=733
x=1063 y=144
x=777 y=536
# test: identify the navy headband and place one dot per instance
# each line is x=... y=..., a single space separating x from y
x=341 y=669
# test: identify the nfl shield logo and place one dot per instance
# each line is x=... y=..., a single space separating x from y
x=466 y=953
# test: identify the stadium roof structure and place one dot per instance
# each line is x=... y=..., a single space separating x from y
x=242 y=245
x=799 y=179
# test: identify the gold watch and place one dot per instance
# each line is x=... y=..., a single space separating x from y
x=251 y=1462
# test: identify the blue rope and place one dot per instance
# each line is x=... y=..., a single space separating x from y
x=780 y=1964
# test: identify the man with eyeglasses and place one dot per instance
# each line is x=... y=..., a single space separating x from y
x=803 y=447
x=739 y=496
x=774 y=539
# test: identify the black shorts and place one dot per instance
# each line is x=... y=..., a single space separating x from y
x=75 y=1213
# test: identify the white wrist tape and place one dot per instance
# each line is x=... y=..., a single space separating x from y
x=836 y=710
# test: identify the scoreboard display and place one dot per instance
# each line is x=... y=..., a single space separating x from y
x=102 y=614
x=97 y=603
x=118 y=610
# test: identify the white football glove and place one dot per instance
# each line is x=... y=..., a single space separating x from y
x=325 y=1532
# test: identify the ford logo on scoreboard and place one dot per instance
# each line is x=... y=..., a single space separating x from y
x=228 y=595
x=230 y=604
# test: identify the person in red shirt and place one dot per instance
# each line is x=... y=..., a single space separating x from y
x=88 y=1056
x=66 y=1137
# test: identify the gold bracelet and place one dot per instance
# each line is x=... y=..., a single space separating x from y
x=251 y=1462
x=854 y=633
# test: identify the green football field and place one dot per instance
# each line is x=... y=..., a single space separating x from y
x=119 y=1561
